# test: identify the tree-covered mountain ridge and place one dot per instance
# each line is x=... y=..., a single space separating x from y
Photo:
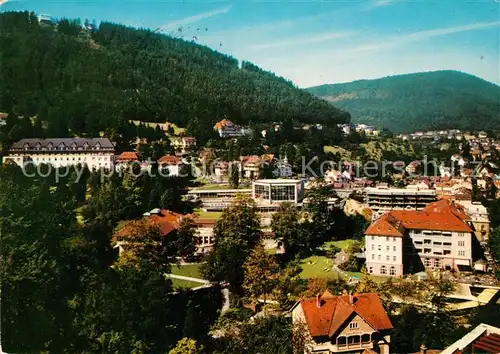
x=82 y=81
x=427 y=100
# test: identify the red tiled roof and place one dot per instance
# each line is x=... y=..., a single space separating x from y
x=443 y=215
x=169 y=160
x=335 y=311
x=127 y=156
x=166 y=220
x=447 y=206
x=223 y=123
x=487 y=344
x=386 y=225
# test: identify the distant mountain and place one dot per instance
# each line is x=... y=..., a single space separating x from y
x=429 y=100
x=81 y=80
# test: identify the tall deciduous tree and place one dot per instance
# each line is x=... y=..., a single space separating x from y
x=236 y=234
x=261 y=273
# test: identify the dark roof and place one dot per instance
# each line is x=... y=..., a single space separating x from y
x=104 y=143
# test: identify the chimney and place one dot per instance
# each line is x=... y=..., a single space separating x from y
x=423 y=349
x=318 y=300
x=351 y=299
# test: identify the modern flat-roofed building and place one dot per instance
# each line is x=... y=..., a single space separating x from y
x=96 y=153
x=216 y=199
x=405 y=241
x=272 y=191
x=384 y=199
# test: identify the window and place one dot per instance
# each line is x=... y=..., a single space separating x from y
x=387 y=248
x=461 y=253
x=394 y=248
x=373 y=247
x=392 y=271
x=394 y=258
x=387 y=258
x=370 y=269
x=437 y=263
x=383 y=270
x=393 y=239
x=445 y=252
x=379 y=257
x=461 y=243
x=418 y=250
x=427 y=262
x=387 y=238
x=373 y=256
x=379 y=247
x=353 y=325
x=461 y=234
x=427 y=242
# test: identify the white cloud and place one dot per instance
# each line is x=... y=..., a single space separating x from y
x=396 y=41
x=195 y=18
x=2 y=2
x=294 y=41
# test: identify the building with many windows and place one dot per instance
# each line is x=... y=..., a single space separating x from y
x=96 y=153
x=272 y=191
x=384 y=199
x=228 y=129
x=407 y=241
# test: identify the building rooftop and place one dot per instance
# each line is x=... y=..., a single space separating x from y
x=63 y=143
x=326 y=314
x=484 y=338
x=442 y=215
x=278 y=181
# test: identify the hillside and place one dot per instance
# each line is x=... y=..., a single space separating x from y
x=430 y=100
x=85 y=81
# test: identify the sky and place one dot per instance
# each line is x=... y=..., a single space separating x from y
x=316 y=42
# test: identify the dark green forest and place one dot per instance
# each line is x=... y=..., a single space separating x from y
x=431 y=100
x=82 y=82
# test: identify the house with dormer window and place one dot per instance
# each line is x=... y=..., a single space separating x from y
x=355 y=323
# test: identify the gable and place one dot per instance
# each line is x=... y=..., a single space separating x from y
x=355 y=324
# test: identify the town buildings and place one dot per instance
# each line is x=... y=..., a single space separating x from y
x=173 y=164
x=384 y=198
x=272 y=191
x=228 y=129
x=169 y=222
x=96 y=153
x=184 y=143
x=406 y=241
x=344 y=324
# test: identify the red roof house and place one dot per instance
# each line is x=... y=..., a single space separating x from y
x=349 y=322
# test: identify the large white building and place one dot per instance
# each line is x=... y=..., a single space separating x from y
x=385 y=198
x=275 y=191
x=96 y=153
x=407 y=241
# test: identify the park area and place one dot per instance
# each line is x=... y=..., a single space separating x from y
x=319 y=265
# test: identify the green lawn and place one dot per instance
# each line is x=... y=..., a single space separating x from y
x=317 y=267
x=342 y=244
x=209 y=214
x=180 y=283
x=188 y=270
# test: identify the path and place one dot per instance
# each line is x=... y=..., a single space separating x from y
x=206 y=284
x=182 y=277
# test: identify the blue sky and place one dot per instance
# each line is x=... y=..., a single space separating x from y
x=317 y=42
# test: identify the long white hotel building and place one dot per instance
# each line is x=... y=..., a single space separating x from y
x=97 y=153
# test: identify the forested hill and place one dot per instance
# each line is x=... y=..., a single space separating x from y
x=85 y=81
x=430 y=100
